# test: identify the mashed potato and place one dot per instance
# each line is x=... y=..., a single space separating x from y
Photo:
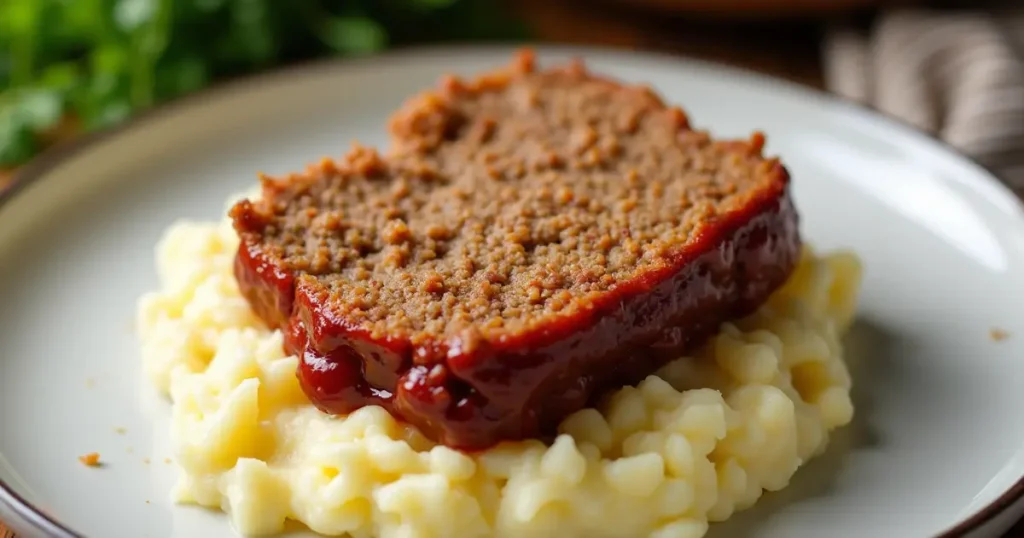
x=698 y=441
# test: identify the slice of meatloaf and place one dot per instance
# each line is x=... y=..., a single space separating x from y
x=533 y=237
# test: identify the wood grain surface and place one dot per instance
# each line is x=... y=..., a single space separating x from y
x=760 y=8
x=787 y=49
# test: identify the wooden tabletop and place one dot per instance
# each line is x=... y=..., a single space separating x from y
x=788 y=49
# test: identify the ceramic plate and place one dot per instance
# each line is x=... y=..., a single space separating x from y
x=937 y=447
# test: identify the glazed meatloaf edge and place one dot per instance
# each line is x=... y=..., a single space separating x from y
x=531 y=239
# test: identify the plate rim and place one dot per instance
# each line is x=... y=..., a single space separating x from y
x=39 y=167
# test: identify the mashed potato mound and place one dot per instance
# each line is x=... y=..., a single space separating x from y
x=699 y=440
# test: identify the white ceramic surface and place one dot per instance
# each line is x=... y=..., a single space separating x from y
x=939 y=435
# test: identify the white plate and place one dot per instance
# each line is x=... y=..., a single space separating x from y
x=938 y=442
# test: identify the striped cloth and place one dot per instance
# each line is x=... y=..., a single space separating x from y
x=956 y=74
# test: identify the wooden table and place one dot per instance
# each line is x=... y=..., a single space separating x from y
x=787 y=49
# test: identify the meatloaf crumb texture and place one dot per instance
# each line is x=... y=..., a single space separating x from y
x=512 y=211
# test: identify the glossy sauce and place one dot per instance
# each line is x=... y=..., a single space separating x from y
x=469 y=393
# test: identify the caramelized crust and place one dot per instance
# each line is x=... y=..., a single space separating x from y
x=459 y=278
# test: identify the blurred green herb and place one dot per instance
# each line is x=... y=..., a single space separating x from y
x=94 y=63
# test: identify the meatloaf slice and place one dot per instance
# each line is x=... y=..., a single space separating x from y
x=532 y=237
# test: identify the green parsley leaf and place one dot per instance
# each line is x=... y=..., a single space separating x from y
x=102 y=61
x=355 y=34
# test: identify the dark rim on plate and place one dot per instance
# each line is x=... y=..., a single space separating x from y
x=50 y=159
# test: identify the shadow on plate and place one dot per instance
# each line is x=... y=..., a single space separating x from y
x=865 y=347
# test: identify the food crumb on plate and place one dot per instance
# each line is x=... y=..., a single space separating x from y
x=90 y=383
x=167 y=460
x=91 y=459
x=120 y=431
x=998 y=335
x=145 y=461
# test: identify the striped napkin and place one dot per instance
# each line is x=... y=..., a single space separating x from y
x=956 y=74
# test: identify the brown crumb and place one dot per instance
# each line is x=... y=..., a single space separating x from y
x=91 y=459
x=147 y=501
x=998 y=335
x=167 y=460
x=6 y=174
x=145 y=461
x=120 y=431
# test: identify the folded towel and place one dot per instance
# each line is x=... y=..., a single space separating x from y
x=956 y=74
